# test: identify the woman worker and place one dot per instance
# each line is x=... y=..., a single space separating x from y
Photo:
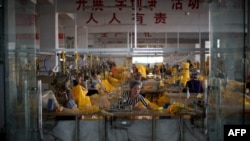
x=92 y=86
x=133 y=96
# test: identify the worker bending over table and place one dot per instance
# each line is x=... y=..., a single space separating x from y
x=194 y=85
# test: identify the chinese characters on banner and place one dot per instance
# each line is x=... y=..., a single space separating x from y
x=159 y=17
x=92 y=8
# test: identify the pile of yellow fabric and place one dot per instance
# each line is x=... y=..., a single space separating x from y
x=173 y=79
x=185 y=73
x=113 y=81
x=163 y=100
x=142 y=69
x=175 y=107
x=173 y=70
x=108 y=86
x=140 y=106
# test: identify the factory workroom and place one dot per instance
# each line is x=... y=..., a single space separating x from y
x=124 y=70
x=169 y=109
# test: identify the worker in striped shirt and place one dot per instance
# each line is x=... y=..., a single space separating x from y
x=133 y=96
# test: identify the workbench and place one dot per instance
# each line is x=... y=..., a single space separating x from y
x=176 y=128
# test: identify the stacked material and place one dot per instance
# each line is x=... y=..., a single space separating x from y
x=174 y=71
x=175 y=107
x=185 y=73
x=81 y=99
x=231 y=97
x=196 y=65
x=142 y=69
x=163 y=100
x=233 y=93
x=173 y=79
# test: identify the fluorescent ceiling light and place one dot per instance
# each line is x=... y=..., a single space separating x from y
x=147 y=50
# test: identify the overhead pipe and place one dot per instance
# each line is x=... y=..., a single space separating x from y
x=135 y=24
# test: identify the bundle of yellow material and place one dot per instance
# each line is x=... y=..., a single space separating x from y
x=113 y=81
x=107 y=85
x=175 y=107
x=185 y=65
x=142 y=70
x=183 y=80
x=120 y=68
x=80 y=97
x=196 y=65
x=140 y=106
x=172 y=80
x=173 y=70
x=152 y=104
x=163 y=100
x=185 y=73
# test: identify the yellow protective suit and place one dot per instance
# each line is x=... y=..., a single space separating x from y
x=81 y=99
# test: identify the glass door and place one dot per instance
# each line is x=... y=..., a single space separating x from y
x=226 y=91
x=20 y=70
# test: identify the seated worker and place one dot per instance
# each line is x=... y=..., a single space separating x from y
x=80 y=79
x=79 y=93
x=92 y=86
x=138 y=77
x=133 y=96
x=194 y=85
